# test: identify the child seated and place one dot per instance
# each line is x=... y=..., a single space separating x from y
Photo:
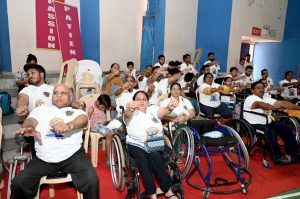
x=98 y=113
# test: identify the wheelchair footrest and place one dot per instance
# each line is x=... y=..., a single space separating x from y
x=223 y=181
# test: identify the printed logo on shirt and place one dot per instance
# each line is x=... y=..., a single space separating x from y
x=291 y=92
x=47 y=94
x=152 y=132
x=51 y=132
x=39 y=102
x=213 y=98
x=69 y=113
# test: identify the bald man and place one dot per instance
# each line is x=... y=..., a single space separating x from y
x=57 y=131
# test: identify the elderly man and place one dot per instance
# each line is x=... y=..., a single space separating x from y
x=57 y=131
x=260 y=103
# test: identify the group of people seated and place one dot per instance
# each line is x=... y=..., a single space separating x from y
x=174 y=92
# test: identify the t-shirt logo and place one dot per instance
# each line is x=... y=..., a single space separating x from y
x=39 y=102
x=213 y=98
x=47 y=94
x=51 y=132
x=69 y=113
x=291 y=92
x=152 y=132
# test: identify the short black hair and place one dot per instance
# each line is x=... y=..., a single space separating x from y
x=262 y=71
x=188 y=77
x=130 y=63
x=249 y=67
x=31 y=57
x=287 y=72
x=203 y=67
x=160 y=56
x=205 y=75
x=233 y=68
x=173 y=71
x=210 y=53
x=226 y=78
x=247 y=55
x=242 y=59
x=175 y=63
x=253 y=85
x=155 y=67
x=113 y=65
x=105 y=100
x=35 y=66
x=186 y=56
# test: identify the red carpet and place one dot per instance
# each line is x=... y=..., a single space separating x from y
x=265 y=182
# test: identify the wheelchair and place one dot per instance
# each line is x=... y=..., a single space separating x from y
x=178 y=155
x=233 y=151
x=253 y=137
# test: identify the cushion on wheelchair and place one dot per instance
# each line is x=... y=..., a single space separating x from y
x=222 y=141
x=57 y=175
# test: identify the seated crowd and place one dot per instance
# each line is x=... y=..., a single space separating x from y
x=173 y=92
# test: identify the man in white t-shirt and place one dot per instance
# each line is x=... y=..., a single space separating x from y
x=214 y=66
x=37 y=93
x=261 y=104
x=187 y=67
x=290 y=87
x=142 y=79
x=58 y=133
x=205 y=69
x=241 y=67
x=247 y=60
x=247 y=78
x=161 y=62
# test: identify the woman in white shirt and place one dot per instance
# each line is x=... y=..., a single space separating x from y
x=184 y=111
x=144 y=129
x=210 y=102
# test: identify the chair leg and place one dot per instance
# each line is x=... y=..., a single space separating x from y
x=103 y=144
x=94 y=143
x=79 y=195
x=38 y=193
x=51 y=191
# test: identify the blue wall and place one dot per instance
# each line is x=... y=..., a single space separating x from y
x=283 y=56
x=213 y=29
x=5 y=59
x=90 y=29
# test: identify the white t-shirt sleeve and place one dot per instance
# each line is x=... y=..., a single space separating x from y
x=188 y=104
x=269 y=100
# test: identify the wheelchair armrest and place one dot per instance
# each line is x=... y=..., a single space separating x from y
x=279 y=113
x=260 y=114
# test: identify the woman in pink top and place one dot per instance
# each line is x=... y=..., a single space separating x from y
x=100 y=121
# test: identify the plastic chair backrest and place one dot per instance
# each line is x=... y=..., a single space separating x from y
x=198 y=54
x=67 y=73
x=91 y=67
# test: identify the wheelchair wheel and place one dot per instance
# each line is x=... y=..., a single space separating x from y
x=117 y=163
x=245 y=131
x=232 y=152
x=183 y=149
x=293 y=123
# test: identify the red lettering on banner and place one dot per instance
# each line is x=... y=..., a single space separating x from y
x=69 y=32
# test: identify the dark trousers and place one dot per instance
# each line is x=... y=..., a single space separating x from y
x=210 y=111
x=148 y=163
x=25 y=184
x=275 y=129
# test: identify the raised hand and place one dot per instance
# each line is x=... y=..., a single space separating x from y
x=29 y=131
x=172 y=104
x=22 y=111
x=132 y=106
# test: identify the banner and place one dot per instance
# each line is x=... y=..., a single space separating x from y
x=69 y=32
x=46 y=29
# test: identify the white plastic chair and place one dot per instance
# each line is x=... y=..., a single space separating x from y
x=88 y=75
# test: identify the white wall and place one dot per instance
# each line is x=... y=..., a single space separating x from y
x=121 y=31
x=244 y=16
x=22 y=29
x=180 y=28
